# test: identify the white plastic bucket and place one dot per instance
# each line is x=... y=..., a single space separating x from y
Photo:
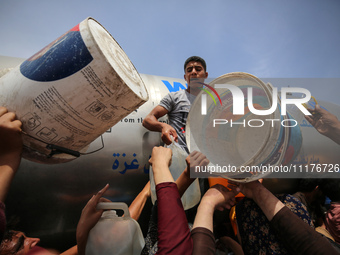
x=72 y=91
x=241 y=144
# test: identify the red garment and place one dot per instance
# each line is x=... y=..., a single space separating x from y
x=333 y=221
x=173 y=230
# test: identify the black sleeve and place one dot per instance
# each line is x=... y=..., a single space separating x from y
x=203 y=241
x=298 y=237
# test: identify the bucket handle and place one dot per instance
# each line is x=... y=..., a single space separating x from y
x=306 y=106
x=114 y=206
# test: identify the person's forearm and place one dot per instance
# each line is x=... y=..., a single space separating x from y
x=269 y=204
x=204 y=216
x=161 y=172
x=334 y=133
x=184 y=181
x=137 y=205
x=12 y=160
x=81 y=243
x=151 y=123
x=7 y=174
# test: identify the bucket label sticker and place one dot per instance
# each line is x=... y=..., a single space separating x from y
x=63 y=57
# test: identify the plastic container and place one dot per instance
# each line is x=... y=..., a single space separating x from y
x=72 y=91
x=113 y=234
x=192 y=195
x=242 y=144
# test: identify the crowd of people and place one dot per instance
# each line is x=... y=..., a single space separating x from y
x=266 y=223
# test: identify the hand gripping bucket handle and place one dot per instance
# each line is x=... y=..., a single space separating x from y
x=114 y=206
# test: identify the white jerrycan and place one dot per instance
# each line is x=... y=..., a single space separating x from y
x=114 y=235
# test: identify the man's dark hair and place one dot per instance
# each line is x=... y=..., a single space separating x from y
x=331 y=188
x=8 y=236
x=197 y=59
x=308 y=184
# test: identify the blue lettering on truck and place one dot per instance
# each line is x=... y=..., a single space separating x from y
x=175 y=87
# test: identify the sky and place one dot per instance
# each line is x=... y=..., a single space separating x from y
x=269 y=39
